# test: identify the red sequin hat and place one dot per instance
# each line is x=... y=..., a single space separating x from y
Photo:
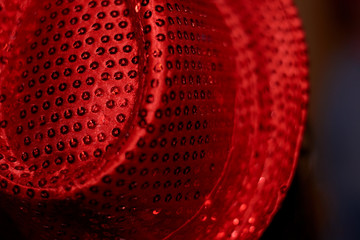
x=149 y=119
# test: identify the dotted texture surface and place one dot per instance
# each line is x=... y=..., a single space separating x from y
x=149 y=119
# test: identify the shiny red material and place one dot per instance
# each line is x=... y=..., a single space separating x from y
x=152 y=119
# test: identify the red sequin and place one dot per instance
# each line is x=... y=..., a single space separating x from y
x=152 y=119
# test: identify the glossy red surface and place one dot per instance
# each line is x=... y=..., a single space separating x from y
x=149 y=119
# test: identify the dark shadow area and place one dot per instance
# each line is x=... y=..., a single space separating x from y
x=8 y=228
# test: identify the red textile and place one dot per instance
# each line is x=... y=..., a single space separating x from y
x=152 y=119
